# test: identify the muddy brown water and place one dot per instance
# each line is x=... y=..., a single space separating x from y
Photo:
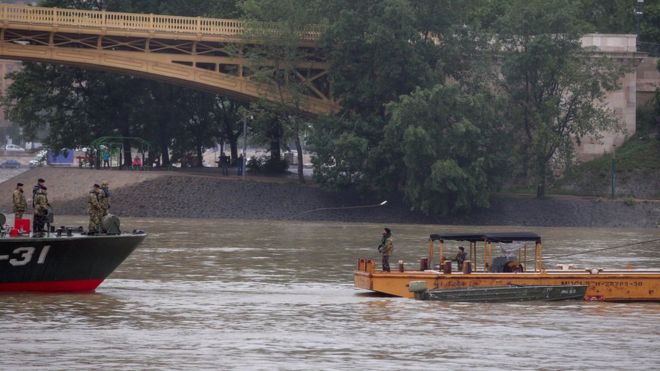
x=227 y=294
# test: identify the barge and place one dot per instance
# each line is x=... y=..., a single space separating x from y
x=521 y=250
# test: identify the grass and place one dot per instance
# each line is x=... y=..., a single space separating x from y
x=639 y=157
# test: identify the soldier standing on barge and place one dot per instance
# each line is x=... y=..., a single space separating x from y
x=385 y=248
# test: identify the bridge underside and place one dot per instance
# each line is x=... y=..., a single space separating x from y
x=215 y=66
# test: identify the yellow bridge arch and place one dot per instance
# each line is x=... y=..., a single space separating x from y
x=191 y=51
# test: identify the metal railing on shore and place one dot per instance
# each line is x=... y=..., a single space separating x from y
x=152 y=23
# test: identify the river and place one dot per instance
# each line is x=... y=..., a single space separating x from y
x=227 y=294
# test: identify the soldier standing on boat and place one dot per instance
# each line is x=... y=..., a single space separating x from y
x=41 y=205
x=40 y=183
x=20 y=205
x=385 y=248
x=94 y=210
x=104 y=198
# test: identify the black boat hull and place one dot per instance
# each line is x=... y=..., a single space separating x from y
x=62 y=264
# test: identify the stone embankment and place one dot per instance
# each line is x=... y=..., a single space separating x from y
x=206 y=194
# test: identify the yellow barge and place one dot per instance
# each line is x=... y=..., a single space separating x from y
x=602 y=285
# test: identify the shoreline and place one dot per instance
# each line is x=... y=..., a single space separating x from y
x=206 y=194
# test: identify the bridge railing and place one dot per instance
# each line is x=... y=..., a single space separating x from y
x=130 y=21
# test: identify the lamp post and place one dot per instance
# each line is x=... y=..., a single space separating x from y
x=638 y=12
x=244 y=162
x=613 y=170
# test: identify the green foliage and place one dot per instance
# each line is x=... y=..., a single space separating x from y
x=375 y=53
x=452 y=149
x=340 y=153
x=555 y=89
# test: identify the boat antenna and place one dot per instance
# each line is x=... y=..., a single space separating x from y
x=607 y=248
x=342 y=208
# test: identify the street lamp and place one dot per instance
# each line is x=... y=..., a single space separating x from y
x=244 y=162
x=613 y=170
x=638 y=12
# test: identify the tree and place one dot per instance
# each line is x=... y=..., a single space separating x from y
x=555 y=88
x=452 y=147
x=274 y=31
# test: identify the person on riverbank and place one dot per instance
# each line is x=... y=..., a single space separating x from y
x=460 y=257
x=41 y=205
x=105 y=155
x=385 y=248
x=18 y=201
x=94 y=210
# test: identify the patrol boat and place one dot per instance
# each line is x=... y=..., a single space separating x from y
x=517 y=262
x=65 y=260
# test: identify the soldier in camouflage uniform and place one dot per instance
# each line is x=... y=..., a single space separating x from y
x=385 y=248
x=20 y=204
x=94 y=209
x=40 y=209
x=104 y=198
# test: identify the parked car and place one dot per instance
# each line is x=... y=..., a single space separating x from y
x=10 y=164
x=14 y=148
x=39 y=160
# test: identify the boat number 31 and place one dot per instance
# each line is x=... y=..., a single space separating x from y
x=23 y=255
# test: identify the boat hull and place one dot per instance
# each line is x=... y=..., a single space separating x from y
x=62 y=264
x=506 y=293
x=603 y=286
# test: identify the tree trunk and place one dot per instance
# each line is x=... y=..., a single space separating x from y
x=128 y=158
x=200 y=156
x=301 y=175
x=275 y=136
x=233 y=144
x=540 y=189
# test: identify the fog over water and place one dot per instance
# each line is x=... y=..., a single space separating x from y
x=228 y=294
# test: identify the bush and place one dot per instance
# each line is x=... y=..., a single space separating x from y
x=267 y=165
x=276 y=166
x=256 y=164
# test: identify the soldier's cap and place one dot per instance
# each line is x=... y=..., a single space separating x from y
x=19 y=184
x=104 y=183
x=41 y=180
x=388 y=230
x=97 y=186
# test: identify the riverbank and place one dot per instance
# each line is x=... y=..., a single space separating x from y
x=206 y=194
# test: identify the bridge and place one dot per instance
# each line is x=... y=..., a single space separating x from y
x=202 y=53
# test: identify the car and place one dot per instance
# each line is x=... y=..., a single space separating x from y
x=10 y=164
x=14 y=148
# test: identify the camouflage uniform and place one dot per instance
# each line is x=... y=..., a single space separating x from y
x=386 y=250
x=20 y=205
x=40 y=209
x=104 y=199
x=94 y=210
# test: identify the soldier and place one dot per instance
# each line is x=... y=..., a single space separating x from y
x=20 y=205
x=460 y=257
x=104 y=198
x=385 y=248
x=94 y=210
x=40 y=209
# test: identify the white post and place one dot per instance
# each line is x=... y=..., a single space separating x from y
x=244 y=163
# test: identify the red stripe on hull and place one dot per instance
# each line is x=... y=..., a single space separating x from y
x=52 y=286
